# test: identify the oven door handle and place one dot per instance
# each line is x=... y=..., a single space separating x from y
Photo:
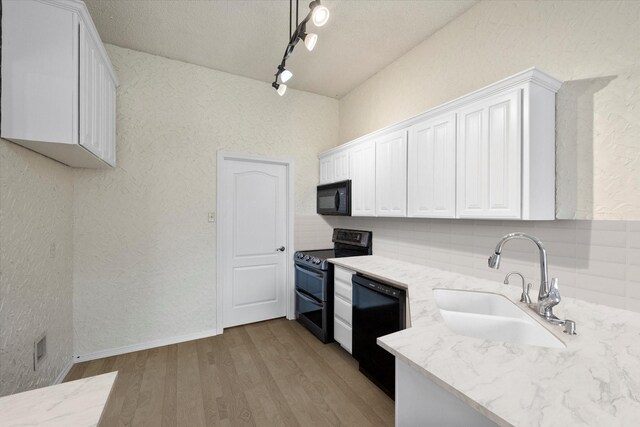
x=310 y=272
x=308 y=298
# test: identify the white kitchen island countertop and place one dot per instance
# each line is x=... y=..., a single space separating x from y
x=73 y=404
x=594 y=381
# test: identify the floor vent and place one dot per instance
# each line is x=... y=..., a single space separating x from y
x=39 y=350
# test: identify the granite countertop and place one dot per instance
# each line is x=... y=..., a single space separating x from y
x=595 y=380
x=76 y=403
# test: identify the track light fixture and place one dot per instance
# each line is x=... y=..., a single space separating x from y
x=281 y=88
x=318 y=15
x=310 y=40
x=284 y=74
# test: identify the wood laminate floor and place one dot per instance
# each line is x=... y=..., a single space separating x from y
x=272 y=373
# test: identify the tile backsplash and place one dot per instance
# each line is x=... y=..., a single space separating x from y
x=597 y=261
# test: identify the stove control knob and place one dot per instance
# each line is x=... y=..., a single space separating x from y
x=318 y=261
x=300 y=256
x=307 y=258
x=315 y=261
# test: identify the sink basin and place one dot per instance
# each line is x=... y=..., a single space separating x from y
x=491 y=316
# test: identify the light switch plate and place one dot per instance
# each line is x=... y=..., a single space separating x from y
x=212 y=217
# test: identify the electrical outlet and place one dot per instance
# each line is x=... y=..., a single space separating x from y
x=212 y=217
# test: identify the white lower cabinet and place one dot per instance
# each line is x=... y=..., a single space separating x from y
x=363 y=179
x=342 y=306
x=420 y=402
x=431 y=168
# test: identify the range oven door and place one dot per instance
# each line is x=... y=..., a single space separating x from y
x=334 y=199
x=314 y=315
x=312 y=282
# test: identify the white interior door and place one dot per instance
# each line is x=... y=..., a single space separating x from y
x=254 y=252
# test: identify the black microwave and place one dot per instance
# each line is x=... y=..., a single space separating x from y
x=334 y=198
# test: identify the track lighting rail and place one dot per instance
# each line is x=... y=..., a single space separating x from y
x=318 y=15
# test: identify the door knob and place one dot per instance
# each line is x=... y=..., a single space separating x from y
x=281 y=249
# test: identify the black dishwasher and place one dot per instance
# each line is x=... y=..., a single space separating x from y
x=378 y=310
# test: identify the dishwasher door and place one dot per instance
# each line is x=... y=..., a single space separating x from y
x=378 y=310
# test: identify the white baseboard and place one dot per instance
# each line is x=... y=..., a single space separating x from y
x=143 y=346
x=64 y=372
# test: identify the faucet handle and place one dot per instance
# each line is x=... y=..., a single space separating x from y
x=525 y=295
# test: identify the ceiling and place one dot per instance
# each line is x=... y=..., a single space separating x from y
x=248 y=37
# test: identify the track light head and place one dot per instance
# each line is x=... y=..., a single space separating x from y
x=284 y=74
x=310 y=40
x=280 y=88
x=319 y=14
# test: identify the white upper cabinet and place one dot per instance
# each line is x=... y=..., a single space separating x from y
x=489 y=157
x=363 y=178
x=391 y=174
x=431 y=168
x=334 y=167
x=489 y=154
x=58 y=85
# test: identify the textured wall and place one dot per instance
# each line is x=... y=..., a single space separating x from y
x=597 y=261
x=36 y=266
x=144 y=266
x=592 y=46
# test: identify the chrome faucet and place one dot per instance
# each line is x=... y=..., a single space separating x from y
x=525 y=287
x=548 y=294
x=494 y=260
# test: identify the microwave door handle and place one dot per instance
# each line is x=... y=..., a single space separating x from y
x=337 y=200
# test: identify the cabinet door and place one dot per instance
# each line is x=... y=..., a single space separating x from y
x=341 y=165
x=342 y=307
x=39 y=73
x=431 y=168
x=391 y=174
x=91 y=80
x=326 y=169
x=363 y=179
x=489 y=158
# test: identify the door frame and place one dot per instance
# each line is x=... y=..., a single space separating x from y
x=221 y=196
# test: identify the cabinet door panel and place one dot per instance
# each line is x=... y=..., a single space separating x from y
x=341 y=165
x=504 y=157
x=432 y=168
x=471 y=161
x=363 y=179
x=489 y=158
x=89 y=93
x=391 y=174
x=326 y=170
